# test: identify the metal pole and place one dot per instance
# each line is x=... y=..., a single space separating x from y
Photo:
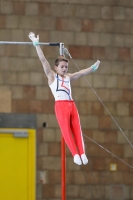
x=63 y=165
x=61 y=45
x=30 y=43
x=62 y=49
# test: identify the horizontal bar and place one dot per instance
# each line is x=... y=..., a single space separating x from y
x=16 y=133
x=30 y=43
x=12 y=131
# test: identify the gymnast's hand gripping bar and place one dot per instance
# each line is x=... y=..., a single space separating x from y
x=60 y=45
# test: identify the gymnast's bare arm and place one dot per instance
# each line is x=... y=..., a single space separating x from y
x=84 y=72
x=46 y=66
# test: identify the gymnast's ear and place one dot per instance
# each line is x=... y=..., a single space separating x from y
x=55 y=67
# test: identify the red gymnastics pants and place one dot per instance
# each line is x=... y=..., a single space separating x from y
x=69 y=122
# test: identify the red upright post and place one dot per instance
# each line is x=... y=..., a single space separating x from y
x=63 y=165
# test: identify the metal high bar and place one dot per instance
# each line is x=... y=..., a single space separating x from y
x=30 y=43
x=60 y=45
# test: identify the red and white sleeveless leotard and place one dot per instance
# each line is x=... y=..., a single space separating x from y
x=67 y=114
x=61 y=88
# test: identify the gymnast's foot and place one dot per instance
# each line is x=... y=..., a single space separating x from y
x=84 y=159
x=77 y=159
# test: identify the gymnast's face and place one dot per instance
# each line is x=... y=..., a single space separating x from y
x=62 y=68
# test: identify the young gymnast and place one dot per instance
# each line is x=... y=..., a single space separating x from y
x=65 y=108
